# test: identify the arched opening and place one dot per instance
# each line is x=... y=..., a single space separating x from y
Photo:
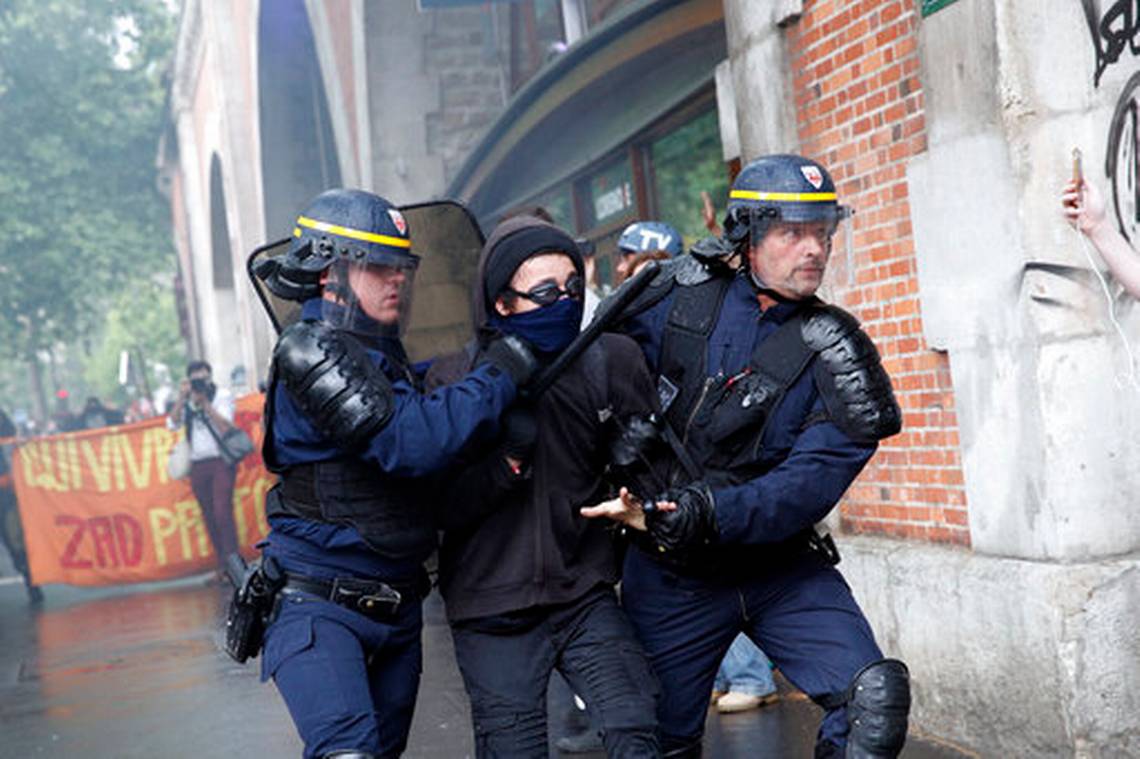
x=225 y=311
x=298 y=154
x=221 y=257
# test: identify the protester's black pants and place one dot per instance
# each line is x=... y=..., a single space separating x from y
x=506 y=662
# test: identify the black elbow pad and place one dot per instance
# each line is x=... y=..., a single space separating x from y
x=338 y=387
x=850 y=376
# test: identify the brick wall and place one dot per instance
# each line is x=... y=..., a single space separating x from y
x=859 y=104
x=467 y=55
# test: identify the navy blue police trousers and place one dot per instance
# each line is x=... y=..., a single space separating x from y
x=801 y=614
x=349 y=682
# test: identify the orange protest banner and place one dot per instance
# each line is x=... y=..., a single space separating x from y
x=98 y=507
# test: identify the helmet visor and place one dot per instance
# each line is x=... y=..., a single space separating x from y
x=823 y=221
x=369 y=298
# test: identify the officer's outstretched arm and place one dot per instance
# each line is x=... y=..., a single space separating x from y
x=350 y=401
x=428 y=431
x=796 y=493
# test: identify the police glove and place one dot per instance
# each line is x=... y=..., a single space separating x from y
x=519 y=433
x=511 y=354
x=691 y=525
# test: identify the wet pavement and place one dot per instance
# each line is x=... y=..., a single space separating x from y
x=138 y=672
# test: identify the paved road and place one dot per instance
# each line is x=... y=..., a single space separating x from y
x=137 y=672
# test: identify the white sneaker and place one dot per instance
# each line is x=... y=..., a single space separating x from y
x=741 y=702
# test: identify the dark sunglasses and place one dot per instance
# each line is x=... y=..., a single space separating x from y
x=548 y=292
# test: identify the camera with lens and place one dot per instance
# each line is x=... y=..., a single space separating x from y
x=201 y=385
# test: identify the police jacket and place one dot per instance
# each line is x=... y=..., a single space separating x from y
x=366 y=509
x=512 y=544
x=790 y=470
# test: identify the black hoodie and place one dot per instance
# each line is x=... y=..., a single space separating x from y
x=511 y=543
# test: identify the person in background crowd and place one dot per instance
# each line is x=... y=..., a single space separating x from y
x=207 y=413
x=641 y=237
x=62 y=420
x=631 y=265
x=593 y=295
x=744 y=680
x=97 y=414
x=1083 y=207
x=361 y=452
x=776 y=401
x=528 y=583
x=11 y=531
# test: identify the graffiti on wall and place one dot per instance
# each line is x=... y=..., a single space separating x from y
x=1122 y=161
x=1114 y=30
x=1117 y=28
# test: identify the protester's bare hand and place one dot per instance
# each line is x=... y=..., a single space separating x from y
x=624 y=509
x=708 y=213
x=1083 y=206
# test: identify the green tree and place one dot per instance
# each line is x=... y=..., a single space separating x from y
x=81 y=108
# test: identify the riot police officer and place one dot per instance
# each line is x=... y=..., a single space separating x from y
x=773 y=403
x=354 y=441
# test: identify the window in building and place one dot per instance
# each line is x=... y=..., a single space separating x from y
x=559 y=203
x=607 y=195
x=537 y=36
x=682 y=164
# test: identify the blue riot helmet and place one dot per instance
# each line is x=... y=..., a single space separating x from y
x=797 y=197
x=351 y=248
x=642 y=236
x=782 y=187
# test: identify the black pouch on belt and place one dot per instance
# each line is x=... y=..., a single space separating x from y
x=251 y=606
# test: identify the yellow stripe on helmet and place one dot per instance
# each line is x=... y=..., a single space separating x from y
x=354 y=234
x=794 y=197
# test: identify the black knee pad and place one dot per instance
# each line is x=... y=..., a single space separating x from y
x=878 y=703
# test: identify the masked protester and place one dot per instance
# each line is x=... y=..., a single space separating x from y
x=776 y=402
x=208 y=414
x=528 y=582
x=356 y=442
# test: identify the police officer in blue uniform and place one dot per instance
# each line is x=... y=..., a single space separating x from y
x=355 y=443
x=773 y=403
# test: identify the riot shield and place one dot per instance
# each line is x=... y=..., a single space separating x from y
x=448 y=240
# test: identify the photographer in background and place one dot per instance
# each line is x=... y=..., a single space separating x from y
x=208 y=413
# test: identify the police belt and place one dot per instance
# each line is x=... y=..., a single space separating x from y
x=380 y=601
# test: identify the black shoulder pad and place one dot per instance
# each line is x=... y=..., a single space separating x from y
x=338 y=387
x=689 y=270
x=852 y=382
